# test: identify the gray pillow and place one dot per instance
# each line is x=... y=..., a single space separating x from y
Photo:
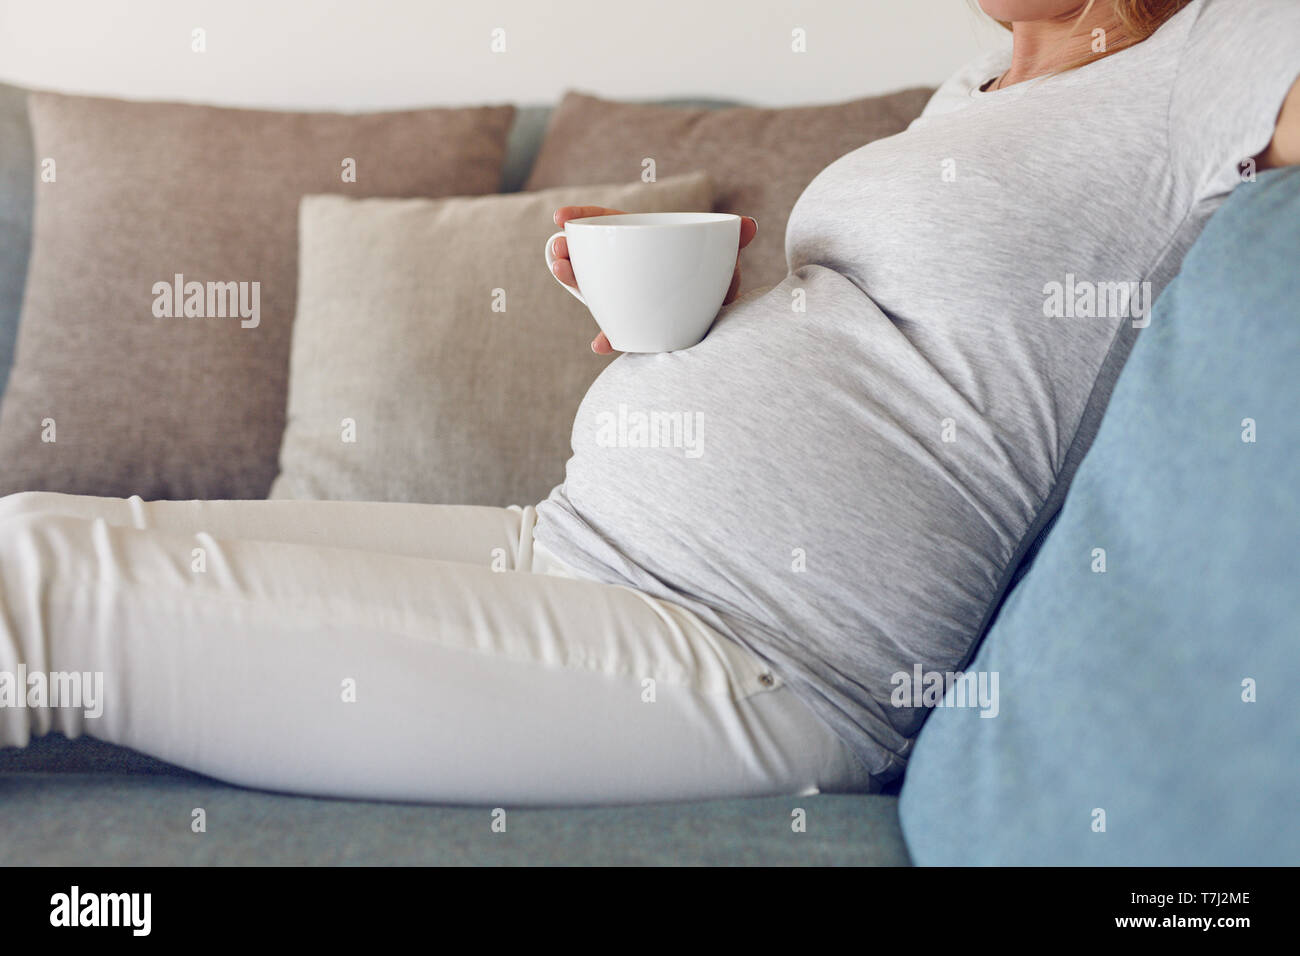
x=15 y=216
x=164 y=405
x=16 y=193
x=529 y=131
x=397 y=339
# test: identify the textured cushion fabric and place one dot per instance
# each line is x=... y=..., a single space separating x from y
x=529 y=130
x=473 y=361
x=760 y=159
x=15 y=216
x=1147 y=661
x=61 y=808
x=189 y=407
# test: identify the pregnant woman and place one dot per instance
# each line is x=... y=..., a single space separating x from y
x=885 y=433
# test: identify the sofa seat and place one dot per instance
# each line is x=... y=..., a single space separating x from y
x=83 y=802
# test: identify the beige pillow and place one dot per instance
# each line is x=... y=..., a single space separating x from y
x=434 y=357
x=760 y=160
x=137 y=397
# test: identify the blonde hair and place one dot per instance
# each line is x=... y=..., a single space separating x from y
x=1139 y=19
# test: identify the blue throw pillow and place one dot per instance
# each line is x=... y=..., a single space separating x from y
x=1148 y=706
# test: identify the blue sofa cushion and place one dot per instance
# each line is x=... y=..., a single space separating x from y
x=1147 y=712
x=87 y=803
x=16 y=203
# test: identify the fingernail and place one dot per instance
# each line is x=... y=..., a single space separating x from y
x=593 y=347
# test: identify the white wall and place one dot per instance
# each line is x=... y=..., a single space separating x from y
x=396 y=53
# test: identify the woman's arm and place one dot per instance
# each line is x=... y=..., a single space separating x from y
x=1284 y=150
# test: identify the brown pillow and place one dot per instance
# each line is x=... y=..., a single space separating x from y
x=760 y=160
x=464 y=385
x=137 y=397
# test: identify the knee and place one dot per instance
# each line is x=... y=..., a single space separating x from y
x=27 y=517
x=19 y=529
x=17 y=523
x=29 y=503
x=35 y=542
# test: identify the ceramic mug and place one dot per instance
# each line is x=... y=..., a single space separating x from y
x=654 y=282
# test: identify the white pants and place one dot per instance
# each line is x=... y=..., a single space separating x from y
x=388 y=651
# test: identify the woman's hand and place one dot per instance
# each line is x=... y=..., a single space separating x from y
x=564 y=271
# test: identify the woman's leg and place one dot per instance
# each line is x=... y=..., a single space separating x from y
x=475 y=535
x=340 y=671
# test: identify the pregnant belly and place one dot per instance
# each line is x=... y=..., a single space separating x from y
x=790 y=472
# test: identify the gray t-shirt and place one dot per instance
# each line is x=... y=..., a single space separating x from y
x=845 y=474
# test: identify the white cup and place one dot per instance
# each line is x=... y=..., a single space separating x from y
x=654 y=281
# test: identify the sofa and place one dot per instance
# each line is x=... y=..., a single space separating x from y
x=83 y=802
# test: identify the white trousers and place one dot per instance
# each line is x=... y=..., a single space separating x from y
x=388 y=651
